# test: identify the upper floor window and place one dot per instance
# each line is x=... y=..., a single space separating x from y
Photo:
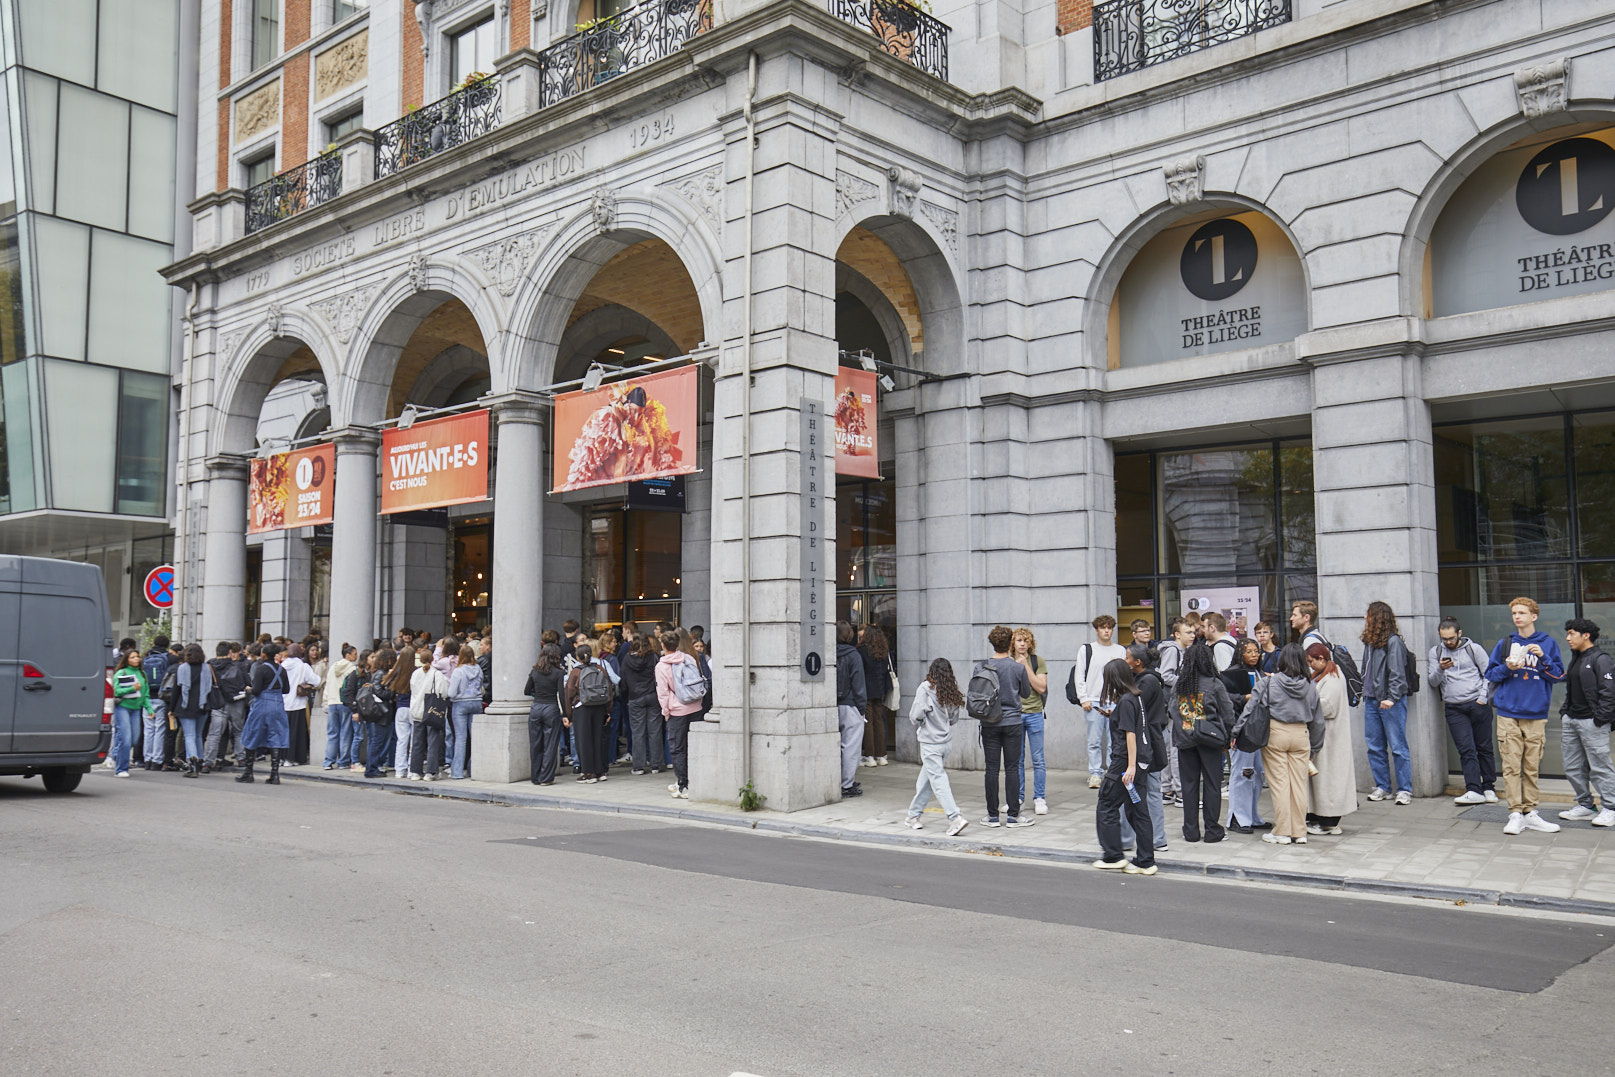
x=265 y=31
x=472 y=49
x=258 y=169
x=341 y=9
x=338 y=126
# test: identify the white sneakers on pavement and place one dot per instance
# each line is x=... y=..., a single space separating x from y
x=1379 y=794
x=1577 y=813
x=1040 y=806
x=881 y=761
x=1404 y=797
x=1605 y=818
x=867 y=761
x=1276 y=839
x=957 y=825
x=1518 y=823
x=913 y=823
x=1093 y=781
x=1470 y=797
x=1491 y=797
x=1515 y=824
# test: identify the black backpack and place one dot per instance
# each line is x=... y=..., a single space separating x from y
x=1072 y=696
x=1411 y=670
x=982 y=701
x=1348 y=670
x=594 y=686
x=373 y=704
x=230 y=678
x=349 y=692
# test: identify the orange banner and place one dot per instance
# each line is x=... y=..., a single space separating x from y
x=291 y=489
x=637 y=428
x=435 y=463
x=857 y=424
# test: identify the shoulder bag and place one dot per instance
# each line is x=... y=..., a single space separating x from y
x=894 y=694
x=1251 y=728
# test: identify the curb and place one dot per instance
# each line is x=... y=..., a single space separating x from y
x=1381 y=887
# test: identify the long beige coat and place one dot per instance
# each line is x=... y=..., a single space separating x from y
x=1334 y=788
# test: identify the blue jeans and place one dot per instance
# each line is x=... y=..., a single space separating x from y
x=191 y=729
x=1033 y=724
x=460 y=712
x=934 y=779
x=378 y=746
x=156 y=724
x=1388 y=726
x=1148 y=784
x=1098 y=742
x=339 y=751
x=1245 y=793
x=125 y=726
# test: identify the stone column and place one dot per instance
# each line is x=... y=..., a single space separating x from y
x=353 y=539
x=224 y=568
x=499 y=743
x=1373 y=482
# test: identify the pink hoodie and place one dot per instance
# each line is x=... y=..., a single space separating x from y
x=668 y=698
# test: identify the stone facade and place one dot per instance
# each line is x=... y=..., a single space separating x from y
x=1014 y=215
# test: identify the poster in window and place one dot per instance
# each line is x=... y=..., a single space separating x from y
x=857 y=424
x=628 y=431
x=435 y=463
x=291 y=489
x=1240 y=606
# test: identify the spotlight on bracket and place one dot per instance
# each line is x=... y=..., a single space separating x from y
x=887 y=383
x=407 y=418
x=866 y=359
x=592 y=377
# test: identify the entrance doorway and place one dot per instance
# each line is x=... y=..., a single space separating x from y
x=472 y=601
x=633 y=562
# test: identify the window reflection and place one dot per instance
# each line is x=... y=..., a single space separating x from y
x=1501 y=490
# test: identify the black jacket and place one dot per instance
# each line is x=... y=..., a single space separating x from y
x=638 y=674
x=1236 y=679
x=1152 y=693
x=877 y=678
x=1590 y=687
x=1217 y=705
x=851 y=690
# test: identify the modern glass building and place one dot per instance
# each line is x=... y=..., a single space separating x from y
x=89 y=116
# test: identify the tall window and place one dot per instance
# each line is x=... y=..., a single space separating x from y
x=258 y=169
x=1212 y=525
x=341 y=125
x=341 y=9
x=633 y=566
x=472 y=49
x=265 y=31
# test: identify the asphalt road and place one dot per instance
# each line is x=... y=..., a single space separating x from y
x=166 y=925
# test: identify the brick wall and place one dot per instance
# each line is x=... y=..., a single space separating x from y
x=1074 y=15
x=226 y=37
x=521 y=24
x=294 y=117
x=410 y=60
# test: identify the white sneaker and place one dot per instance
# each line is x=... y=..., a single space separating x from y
x=1040 y=806
x=1578 y=812
x=957 y=825
x=1533 y=821
x=867 y=761
x=1605 y=818
x=1003 y=809
x=673 y=787
x=414 y=777
x=913 y=823
x=683 y=794
x=1515 y=824
x=110 y=765
x=881 y=761
x=1491 y=797
x=1404 y=797
x=1093 y=781
x=1470 y=797
x=1315 y=830
x=1109 y=865
x=1276 y=839
x=1379 y=794
x=121 y=774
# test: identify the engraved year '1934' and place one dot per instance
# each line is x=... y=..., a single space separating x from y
x=643 y=134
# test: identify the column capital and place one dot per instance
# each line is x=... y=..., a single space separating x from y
x=228 y=466
x=357 y=439
x=518 y=406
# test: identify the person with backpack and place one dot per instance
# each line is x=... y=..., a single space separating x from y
x=465 y=703
x=194 y=680
x=996 y=689
x=1202 y=718
x=1246 y=771
x=1523 y=667
x=1334 y=780
x=938 y=705
x=1585 y=718
x=155 y=666
x=131 y=698
x=1385 y=708
x=303 y=684
x=1458 y=671
x=266 y=728
x=680 y=689
x=1118 y=792
x=224 y=730
x=339 y=722
x=1152 y=696
x=376 y=709
x=1214 y=628
x=1034 y=705
x=1295 y=731
x=646 y=726
x=1168 y=664
x=1088 y=675
x=852 y=696
x=544 y=684
x=1304 y=624
x=428 y=717
x=584 y=703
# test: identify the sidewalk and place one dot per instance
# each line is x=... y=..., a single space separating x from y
x=1430 y=848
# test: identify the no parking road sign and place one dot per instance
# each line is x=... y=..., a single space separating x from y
x=160 y=587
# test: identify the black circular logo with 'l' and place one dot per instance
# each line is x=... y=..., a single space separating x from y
x=1568 y=187
x=1218 y=260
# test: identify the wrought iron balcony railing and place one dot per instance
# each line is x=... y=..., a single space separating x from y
x=617 y=43
x=1130 y=35
x=903 y=29
x=293 y=191
x=465 y=114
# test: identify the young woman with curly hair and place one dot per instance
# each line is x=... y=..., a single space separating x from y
x=938 y=704
x=1385 y=707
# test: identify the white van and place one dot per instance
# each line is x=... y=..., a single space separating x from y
x=55 y=643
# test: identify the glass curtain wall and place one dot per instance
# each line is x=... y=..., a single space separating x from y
x=1527 y=507
x=1211 y=525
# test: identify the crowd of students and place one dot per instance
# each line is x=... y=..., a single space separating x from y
x=407 y=706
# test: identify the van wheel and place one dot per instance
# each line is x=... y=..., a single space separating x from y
x=58 y=780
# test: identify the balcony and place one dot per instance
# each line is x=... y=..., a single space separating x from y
x=904 y=31
x=1130 y=35
x=467 y=113
x=293 y=191
x=610 y=46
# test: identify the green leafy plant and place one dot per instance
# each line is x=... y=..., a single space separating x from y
x=610 y=22
x=472 y=79
x=151 y=628
x=750 y=798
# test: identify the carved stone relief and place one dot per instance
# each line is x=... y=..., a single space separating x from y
x=1543 y=90
x=342 y=65
x=507 y=260
x=1186 y=180
x=905 y=187
x=704 y=191
x=944 y=220
x=852 y=190
x=344 y=312
x=258 y=111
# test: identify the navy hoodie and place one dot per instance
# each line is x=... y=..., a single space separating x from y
x=1525 y=692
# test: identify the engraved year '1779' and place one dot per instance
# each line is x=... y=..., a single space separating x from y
x=644 y=134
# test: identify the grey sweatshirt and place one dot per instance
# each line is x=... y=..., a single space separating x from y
x=1292 y=701
x=1466 y=681
x=932 y=721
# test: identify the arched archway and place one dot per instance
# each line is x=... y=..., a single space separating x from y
x=294 y=348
